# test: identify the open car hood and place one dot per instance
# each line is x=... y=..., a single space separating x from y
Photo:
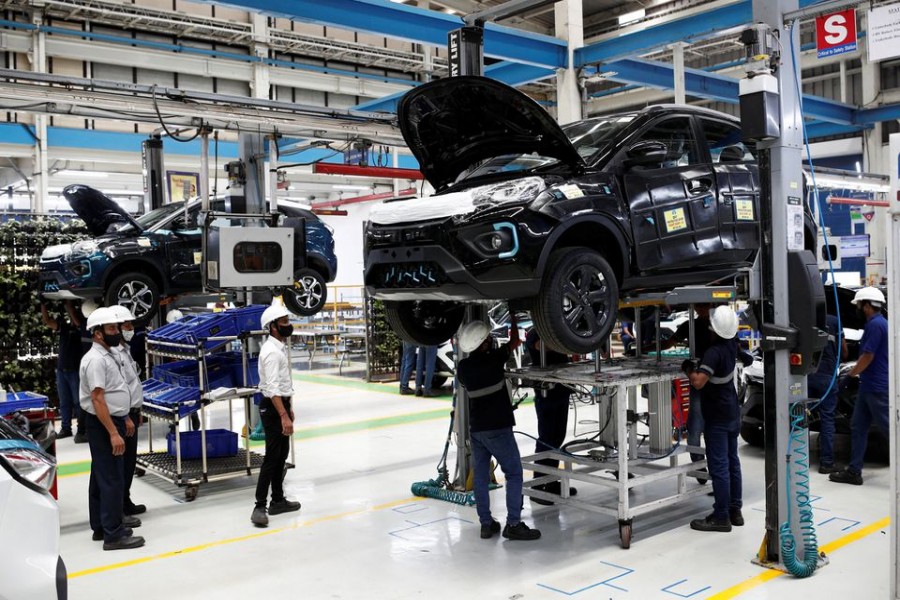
x=96 y=210
x=451 y=124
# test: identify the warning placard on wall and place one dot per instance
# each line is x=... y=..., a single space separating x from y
x=884 y=32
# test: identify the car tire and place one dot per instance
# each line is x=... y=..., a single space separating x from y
x=576 y=278
x=424 y=322
x=753 y=435
x=137 y=292
x=308 y=295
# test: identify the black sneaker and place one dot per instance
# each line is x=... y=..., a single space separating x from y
x=711 y=523
x=80 y=437
x=520 y=531
x=846 y=476
x=488 y=531
x=283 y=506
x=97 y=536
x=828 y=469
x=134 y=509
x=736 y=516
x=64 y=433
x=419 y=391
x=129 y=521
x=259 y=517
x=405 y=391
x=125 y=543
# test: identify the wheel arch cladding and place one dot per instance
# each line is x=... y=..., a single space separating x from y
x=135 y=265
x=598 y=234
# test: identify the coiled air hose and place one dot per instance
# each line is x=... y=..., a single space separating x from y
x=799 y=443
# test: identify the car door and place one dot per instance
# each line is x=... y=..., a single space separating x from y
x=673 y=203
x=737 y=179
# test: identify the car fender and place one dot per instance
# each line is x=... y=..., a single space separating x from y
x=148 y=266
x=602 y=222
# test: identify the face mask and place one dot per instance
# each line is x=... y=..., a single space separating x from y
x=285 y=331
x=112 y=340
x=127 y=334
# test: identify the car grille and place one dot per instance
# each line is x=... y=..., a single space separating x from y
x=408 y=275
x=381 y=236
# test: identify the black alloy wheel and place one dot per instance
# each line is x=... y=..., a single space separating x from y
x=424 y=322
x=308 y=294
x=137 y=292
x=578 y=303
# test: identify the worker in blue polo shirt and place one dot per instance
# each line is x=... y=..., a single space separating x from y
x=872 y=369
x=714 y=377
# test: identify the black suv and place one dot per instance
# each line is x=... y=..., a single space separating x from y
x=557 y=220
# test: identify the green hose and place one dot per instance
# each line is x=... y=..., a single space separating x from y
x=435 y=489
x=810 y=561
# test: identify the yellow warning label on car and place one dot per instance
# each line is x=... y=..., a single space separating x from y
x=675 y=220
x=198 y=258
x=744 y=210
x=570 y=191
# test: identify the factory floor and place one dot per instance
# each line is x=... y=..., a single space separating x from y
x=362 y=534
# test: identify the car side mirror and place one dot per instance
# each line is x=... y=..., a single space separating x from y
x=646 y=153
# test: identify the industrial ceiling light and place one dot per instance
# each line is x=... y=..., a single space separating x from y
x=351 y=187
x=85 y=174
x=631 y=17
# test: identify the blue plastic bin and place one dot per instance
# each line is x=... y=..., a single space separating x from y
x=247 y=318
x=211 y=325
x=22 y=401
x=219 y=443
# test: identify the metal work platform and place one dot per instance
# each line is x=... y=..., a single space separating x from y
x=614 y=458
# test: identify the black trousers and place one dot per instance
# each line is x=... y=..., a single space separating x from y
x=106 y=486
x=552 y=408
x=278 y=446
x=130 y=457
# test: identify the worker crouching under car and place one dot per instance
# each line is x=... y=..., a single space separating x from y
x=714 y=377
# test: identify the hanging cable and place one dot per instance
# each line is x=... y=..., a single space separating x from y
x=163 y=123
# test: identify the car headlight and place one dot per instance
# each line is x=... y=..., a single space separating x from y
x=33 y=466
x=83 y=248
x=517 y=190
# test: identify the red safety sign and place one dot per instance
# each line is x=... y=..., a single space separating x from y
x=836 y=33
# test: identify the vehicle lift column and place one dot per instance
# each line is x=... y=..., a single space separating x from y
x=771 y=115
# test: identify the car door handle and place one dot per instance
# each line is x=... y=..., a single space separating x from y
x=700 y=186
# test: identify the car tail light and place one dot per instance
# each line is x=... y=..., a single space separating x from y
x=32 y=466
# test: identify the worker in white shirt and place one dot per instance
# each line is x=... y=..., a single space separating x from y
x=276 y=414
x=105 y=400
x=136 y=393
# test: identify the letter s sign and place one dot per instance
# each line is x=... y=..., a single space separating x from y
x=836 y=33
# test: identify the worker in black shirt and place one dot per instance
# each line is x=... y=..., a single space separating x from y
x=551 y=404
x=491 y=422
x=70 y=353
x=714 y=378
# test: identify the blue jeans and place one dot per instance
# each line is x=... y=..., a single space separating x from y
x=724 y=466
x=67 y=388
x=425 y=366
x=407 y=362
x=106 y=488
x=694 y=423
x=501 y=444
x=817 y=384
x=871 y=407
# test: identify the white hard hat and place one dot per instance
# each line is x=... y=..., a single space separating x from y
x=871 y=294
x=88 y=306
x=724 y=322
x=122 y=312
x=273 y=313
x=174 y=315
x=471 y=335
x=102 y=316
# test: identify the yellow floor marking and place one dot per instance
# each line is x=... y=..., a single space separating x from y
x=771 y=574
x=225 y=542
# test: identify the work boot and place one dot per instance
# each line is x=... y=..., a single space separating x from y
x=134 y=509
x=520 y=531
x=97 y=536
x=276 y=507
x=259 y=517
x=80 y=437
x=125 y=543
x=846 y=476
x=712 y=523
x=828 y=469
x=736 y=516
x=64 y=433
x=488 y=531
x=405 y=391
x=130 y=521
x=419 y=392
x=429 y=393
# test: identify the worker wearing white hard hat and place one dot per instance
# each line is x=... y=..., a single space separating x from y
x=491 y=422
x=872 y=403
x=714 y=377
x=106 y=401
x=276 y=414
x=132 y=371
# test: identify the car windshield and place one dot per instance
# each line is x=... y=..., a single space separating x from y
x=588 y=137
